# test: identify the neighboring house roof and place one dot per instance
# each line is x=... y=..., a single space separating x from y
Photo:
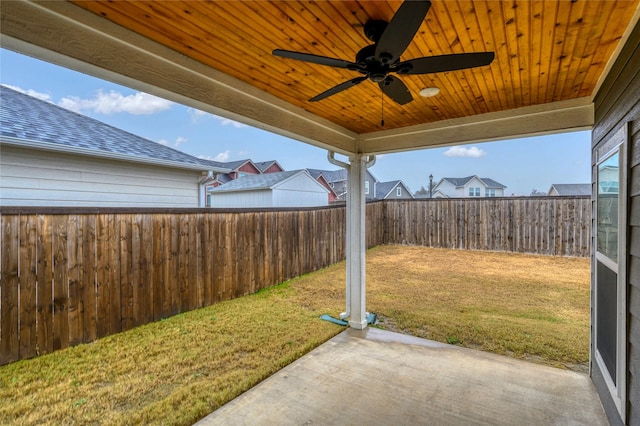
x=231 y=165
x=315 y=173
x=330 y=175
x=263 y=181
x=264 y=165
x=439 y=194
x=383 y=189
x=460 y=182
x=30 y=122
x=571 y=188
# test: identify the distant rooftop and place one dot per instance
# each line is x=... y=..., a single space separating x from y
x=571 y=189
x=251 y=182
x=490 y=183
x=28 y=119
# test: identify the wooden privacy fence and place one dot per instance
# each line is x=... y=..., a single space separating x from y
x=69 y=277
x=557 y=226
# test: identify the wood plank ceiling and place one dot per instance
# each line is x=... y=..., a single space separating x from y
x=546 y=51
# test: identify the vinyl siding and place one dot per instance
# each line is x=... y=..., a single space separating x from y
x=617 y=104
x=299 y=191
x=40 y=178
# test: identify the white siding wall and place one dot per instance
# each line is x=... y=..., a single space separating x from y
x=447 y=188
x=242 y=199
x=473 y=183
x=40 y=178
x=299 y=191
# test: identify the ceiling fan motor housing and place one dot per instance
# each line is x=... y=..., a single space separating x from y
x=390 y=40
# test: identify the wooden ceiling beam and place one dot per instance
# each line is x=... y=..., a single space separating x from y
x=557 y=117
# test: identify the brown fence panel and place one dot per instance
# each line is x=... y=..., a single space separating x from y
x=28 y=286
x=9 y=312
x=557 y=226
x=72 y=276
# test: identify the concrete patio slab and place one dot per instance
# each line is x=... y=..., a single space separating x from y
x=378 y=377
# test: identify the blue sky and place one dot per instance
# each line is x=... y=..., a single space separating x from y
x=520 y=164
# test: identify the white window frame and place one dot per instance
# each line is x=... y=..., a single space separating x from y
x=474 y=191
x=490 y=192
x=618 y=389
x=398 y=192
x=366 y=187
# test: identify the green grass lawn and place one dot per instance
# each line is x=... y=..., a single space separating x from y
x=178 y=370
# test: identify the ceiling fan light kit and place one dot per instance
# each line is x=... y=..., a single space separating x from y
x=377 y=61
x=428 y=92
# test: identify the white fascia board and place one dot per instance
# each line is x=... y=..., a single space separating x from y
x=556 y=117
x=67 y=35
x=66 y=149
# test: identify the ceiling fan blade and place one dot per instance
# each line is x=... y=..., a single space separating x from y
x=431 y=64
x=396 y=90
x=320 y=60
x=337 y=89
x=401 y=30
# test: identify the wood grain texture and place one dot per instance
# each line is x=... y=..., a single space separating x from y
x=102 y=273
x=28 y=286
x=545 y=50
x=9 y=305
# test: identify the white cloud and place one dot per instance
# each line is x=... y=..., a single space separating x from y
x=222 y=157
x=175 y=144
x=460 y=151
x=114 y=102
x=227 y=122
x=196 y=114
x=30 y=92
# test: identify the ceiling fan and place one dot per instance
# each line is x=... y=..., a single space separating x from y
x=377 y=61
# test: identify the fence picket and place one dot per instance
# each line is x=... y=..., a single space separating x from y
x=102 y=272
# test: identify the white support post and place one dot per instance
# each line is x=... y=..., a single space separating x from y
x=356 y=241
x=356 y=237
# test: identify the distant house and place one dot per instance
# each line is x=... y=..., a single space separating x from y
x=271 y=166
x=394 y=190
x=318 y=176
x=560 y=189
x=470 y=186
x=294 y=188
x=236 y=169
x=239 y=169
x=50 y=156
x=337 y=180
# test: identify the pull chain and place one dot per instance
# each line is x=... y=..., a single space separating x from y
x=382 y=109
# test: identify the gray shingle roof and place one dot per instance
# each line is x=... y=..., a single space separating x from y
x=234 y=165
x=26 y=118
x=490 y=183
x=252 y=182
x=329 y=175
x=384 y=188
x=572 y=188
x=264 y=165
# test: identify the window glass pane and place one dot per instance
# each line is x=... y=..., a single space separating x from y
x=606 y=294
x=608 y=184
